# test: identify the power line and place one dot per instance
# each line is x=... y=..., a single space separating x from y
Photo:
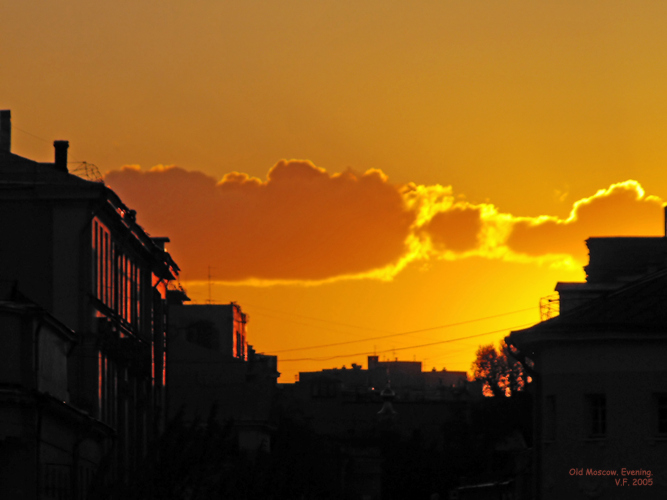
x=14 y=127
x=408 y=347
x=318 y=327
x=313 y=318
x=97 y=175
x=405 y=333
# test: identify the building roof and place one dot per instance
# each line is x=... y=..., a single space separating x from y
x=633 y=311
x=21 y=177
x=19 y=171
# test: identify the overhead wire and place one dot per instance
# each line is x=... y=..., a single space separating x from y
x=313 y=318
x=14 y=127
x=369 y=339
x=254 y=313
x=408 y=347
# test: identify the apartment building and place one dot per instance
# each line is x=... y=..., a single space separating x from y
x=71 y=249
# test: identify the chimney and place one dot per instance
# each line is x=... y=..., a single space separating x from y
x=160 y=241
x=61 y=155
x=5 y=130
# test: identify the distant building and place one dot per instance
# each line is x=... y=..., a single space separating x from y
x=212 y=368
x=601 y=379
x=393 y=424
x=219 y=328
x=342 y=401
x=72 y=249
x=407 y=380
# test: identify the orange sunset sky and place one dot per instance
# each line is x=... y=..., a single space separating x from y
x=360 y=176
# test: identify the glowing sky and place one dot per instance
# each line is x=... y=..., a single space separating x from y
x=451 y=156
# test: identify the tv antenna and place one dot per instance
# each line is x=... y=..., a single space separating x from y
x=209 y=301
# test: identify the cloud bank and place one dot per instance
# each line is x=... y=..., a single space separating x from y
x=303 y=224
x=300 y=224
x=621 y=210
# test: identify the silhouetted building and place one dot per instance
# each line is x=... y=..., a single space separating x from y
x=601 y=379
x=407 y=380
x=219 y=328
x=401 y=432
x=212 y=367
x=343 y=402
x=38 y=423
x=71 y=248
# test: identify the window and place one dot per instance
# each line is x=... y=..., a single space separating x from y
x=116 y=276
x=660 y=404
x=597 y=415
x=203 y=333
x=56 y=481
x=550 y=418
x=107 y=389
x=85 y=477
x=102 y=272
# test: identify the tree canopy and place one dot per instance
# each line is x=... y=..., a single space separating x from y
x=501 y=372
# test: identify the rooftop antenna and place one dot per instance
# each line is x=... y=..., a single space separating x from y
x=87 y=171
x=209 y=301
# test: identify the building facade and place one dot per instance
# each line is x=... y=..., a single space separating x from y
x=71 y=247
x=214 y=369
x=38 y=421
x=600 y=377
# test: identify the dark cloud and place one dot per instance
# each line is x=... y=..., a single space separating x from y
x=300 y=224
x=456 y=229
x=304 y=224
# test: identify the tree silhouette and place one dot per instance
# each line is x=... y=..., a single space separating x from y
x=501 y=372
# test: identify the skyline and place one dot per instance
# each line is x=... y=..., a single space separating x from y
x=452 y=158
x=460 y=240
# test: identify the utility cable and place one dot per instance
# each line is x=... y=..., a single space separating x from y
x=14 y=127
x=450 y=325
x=408 y=347
x=313 y=318
x=254 y=313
